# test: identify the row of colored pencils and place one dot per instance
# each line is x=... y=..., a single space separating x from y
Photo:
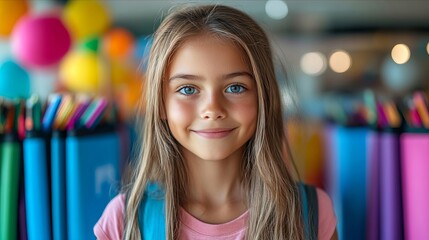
x=62 y=112
x=412 y=111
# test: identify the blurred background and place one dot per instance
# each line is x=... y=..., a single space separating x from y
x=354 y=77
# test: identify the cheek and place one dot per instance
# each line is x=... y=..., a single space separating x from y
x=179 y=112
x=247 y=111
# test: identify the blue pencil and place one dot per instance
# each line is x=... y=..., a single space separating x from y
x=51 y=110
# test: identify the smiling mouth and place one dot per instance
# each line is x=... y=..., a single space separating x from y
x=214 y=133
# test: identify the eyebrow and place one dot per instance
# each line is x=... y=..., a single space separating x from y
x=196 y=77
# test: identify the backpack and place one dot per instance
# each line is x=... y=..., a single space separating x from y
x=154 y=222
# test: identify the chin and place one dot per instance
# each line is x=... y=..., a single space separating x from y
x=212 y=157
x=217 y=154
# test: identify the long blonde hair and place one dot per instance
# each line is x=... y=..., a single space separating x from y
x=272 y=195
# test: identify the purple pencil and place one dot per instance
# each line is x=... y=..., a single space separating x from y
x=80 y=109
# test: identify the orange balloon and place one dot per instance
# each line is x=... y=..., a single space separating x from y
x=129 y=96
x=118 y=43
x=11 y=12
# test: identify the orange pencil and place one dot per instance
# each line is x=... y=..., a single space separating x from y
x=20 y=123
x=9 y=119
x=392 y=114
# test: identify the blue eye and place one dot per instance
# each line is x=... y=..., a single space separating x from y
x=235 y=88
x=187 y=90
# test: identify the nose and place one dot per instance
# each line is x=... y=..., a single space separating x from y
x=213 y=108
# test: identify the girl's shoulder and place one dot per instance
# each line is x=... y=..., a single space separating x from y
x=111 y=223
x=327 y=218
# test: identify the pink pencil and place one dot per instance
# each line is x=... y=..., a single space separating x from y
x=415 y=117
x=420 y=103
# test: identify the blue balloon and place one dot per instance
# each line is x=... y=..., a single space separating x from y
x=14 y=81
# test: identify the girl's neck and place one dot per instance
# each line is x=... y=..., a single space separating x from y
x=213 y=181
x=214 y=188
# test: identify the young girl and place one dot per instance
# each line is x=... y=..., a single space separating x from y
x=211 y=165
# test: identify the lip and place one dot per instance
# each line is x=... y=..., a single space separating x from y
x=214 y=132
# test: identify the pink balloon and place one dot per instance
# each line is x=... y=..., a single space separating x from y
x=40 y=41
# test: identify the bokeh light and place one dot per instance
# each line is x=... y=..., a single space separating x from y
x=276 y=9
x=313 y=63
x=340 y=61
x=427 y=48
x=400 y=53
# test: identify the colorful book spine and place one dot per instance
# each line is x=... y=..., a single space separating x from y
x=10 y=159
x=92 y=171
x=37 y=188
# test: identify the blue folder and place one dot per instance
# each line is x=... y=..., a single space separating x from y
x=37 y=190
x=58 y=185
x=92 y=178
x=349 y=152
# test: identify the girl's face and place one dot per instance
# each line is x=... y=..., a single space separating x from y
x=210 y=98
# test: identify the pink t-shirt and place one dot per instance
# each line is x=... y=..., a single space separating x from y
x=111 y=224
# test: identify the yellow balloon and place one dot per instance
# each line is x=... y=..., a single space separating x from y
x=11 y=12
x=86 y=18
x=82 y=72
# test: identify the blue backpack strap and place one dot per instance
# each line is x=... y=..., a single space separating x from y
x=310 y=210
x=152 y=213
